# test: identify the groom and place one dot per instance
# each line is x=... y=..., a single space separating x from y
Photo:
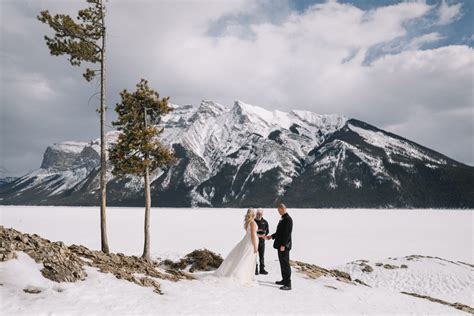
x=282 y=243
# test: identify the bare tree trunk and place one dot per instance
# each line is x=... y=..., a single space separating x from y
x=103 y=146
x=146 y=248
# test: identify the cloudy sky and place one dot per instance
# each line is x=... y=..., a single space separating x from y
x=406 y=67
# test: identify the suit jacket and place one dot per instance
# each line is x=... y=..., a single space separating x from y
x=282 y=235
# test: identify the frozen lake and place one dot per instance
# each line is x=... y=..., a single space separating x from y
x=324 y=237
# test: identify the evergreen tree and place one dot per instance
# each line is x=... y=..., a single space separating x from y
x=138 y=150
x=84 y=41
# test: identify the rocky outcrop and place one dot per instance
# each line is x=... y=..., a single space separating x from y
x=60 y=264
x=313 y=271
x=63 y=156
x=128 y=267
x=198 y=260
x=66 y=264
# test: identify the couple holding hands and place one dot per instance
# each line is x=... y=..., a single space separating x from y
x=241 y=262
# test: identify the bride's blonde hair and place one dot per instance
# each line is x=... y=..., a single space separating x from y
x=249 y=217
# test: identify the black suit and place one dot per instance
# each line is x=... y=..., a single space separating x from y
x=282 y=237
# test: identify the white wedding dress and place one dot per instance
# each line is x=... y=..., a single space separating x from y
x=240 y=262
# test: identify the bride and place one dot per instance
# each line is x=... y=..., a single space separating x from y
x=240 y=262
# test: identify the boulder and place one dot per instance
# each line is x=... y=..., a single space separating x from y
x=198 y=260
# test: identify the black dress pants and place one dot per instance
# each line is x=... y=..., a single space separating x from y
x=261 y=253
x=284 y=258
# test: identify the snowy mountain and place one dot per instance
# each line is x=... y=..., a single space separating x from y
x=245 y=155
x=5 y=176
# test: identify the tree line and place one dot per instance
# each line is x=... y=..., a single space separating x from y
x=138 y=151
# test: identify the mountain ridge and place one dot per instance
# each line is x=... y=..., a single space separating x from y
x=245 y=155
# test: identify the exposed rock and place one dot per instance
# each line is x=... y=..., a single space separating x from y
x=330 y=286
x=366 y=268
x=340 y=275
x=404 y=266
x=390 y=266
x=379 y=264
x=310 y=270
x=313 y=271
x=7 y=254
x=460 y=306
x=63 y=156
x=124 y=267
x=198 y=260
x=418 y=257
x=361 y=282
x=31 y=290
x=65 y=264
x=59 y=263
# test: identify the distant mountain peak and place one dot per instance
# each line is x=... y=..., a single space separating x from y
x=246 y=155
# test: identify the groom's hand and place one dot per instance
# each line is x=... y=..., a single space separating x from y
x=282 y=248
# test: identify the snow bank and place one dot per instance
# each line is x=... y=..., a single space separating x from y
x=106 y=295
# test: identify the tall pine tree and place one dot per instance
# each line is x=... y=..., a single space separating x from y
x=138 y=150
x=84 y=41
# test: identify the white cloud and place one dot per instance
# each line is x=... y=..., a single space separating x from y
x=448 y=13
x=419 y=41
x=313 y=60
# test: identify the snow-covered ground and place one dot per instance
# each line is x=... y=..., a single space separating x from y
x=329 y=238
x=444 y=279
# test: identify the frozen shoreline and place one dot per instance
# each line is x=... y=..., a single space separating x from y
x=329 y=238
x=325 y=237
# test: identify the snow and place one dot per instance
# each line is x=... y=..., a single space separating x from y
x=69 y=147
x=392 y=145
x=215 y=136
x=329 y=238
x=332 y=122
x=447 y=280
x=104 y=294
x=210 y=133
x=362 y=234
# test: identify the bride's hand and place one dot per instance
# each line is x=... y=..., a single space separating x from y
x=255 y=250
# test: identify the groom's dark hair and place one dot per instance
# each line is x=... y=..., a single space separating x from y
x=282 y=206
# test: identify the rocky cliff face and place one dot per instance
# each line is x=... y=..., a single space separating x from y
x=247 y=156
